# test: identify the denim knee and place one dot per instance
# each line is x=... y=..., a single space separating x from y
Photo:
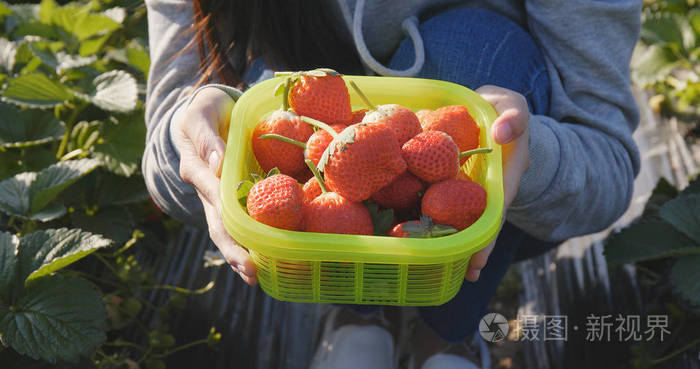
x=475 y=47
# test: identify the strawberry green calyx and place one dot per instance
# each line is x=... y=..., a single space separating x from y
x=319 y=124
x=283 y=139
x=283 y=88
x=364 y=98
x=425 y=228
x=475 y=151
x=317 y=174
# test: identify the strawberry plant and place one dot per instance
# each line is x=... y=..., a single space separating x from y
x=668 y=61
x=71 y=139
x=664 y=246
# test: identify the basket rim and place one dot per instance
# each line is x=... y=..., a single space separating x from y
x=283 y=244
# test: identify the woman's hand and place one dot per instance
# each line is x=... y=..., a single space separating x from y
x=510 y=130
x=198 y=138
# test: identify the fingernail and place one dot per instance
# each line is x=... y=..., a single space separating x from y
x=241 y=268
x=503 y=133
x=214 y=161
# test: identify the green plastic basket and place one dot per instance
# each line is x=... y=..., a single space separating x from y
x=335 y=268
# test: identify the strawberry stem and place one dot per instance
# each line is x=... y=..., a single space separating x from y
x=283 y=74
x=363 y=96
x=283 y=139
x=440 y=231
x=319 y=124
x=475 y=151
x=285 y=95
x=317 y=174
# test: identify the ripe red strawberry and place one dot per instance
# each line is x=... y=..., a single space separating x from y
x=330 y=212
x=277 y=201
x=321 y=94
x=455 y=203
x=318 y=142
x=401 y=119
x=456 y=122
x=402 y=193
x=423 y=228
x=432 y=156
x=286 y=156
x=361 y=160
x=312 y=189
x=357 y=116
x=422 y=114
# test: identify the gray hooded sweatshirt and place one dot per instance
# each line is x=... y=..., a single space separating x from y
x=583 y=159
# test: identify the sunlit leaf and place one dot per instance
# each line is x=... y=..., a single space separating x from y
x=8 y=49
x=115 y=91
x=46 y=251
x=36 y=91
x=59 y=318
x=655 y=64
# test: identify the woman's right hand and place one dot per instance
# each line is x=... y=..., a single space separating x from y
x=198 y=138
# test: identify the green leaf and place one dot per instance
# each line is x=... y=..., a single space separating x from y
x=382 y=220
x=685 y=275
x=46 y=251
x=112 y=222
x=58 y=319
x=662 y=28
x=683 y=213
x=66 y=61
x=138 y=57
x=54 y=179
x=123 y=145
x=92 y=45
x=28 y=193
x=115 y=91
x=654 y=64
x=94 y=24
x=662 y=193
x=46 y=10
x=15 y=196
x=242 y=191
x=8 y=50
x=694 y=22
x=118 y=190
x=23 y=128
x=8 y=263
x=42 y=51
x=4 y=10
x=36 y=91
x=648 y=240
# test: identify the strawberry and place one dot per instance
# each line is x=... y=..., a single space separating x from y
x=455 y=203
x=432 y=156
x=361 y=160
x=330 y=212
x=401 y=119
x=286 y=156
x=402 y=193
x=320 y=94
x=423 y=228
x=422 y=114
x=456 y=122
x=276 y=201
x=311 y=189
x=318 y=142
x=357 y=116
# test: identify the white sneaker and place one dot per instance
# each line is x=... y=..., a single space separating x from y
x=352 y=346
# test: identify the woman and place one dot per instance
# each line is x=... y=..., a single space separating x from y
x=557 y=73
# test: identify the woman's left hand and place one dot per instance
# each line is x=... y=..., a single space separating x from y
x=510 y=130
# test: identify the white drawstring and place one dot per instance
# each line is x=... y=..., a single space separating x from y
x=409 y=26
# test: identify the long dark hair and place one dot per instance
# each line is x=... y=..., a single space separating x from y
x=290 y=34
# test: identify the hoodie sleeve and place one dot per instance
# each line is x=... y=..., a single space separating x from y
x=173 y=73
x=583 y=159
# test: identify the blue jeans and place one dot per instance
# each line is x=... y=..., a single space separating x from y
x=473 y=47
